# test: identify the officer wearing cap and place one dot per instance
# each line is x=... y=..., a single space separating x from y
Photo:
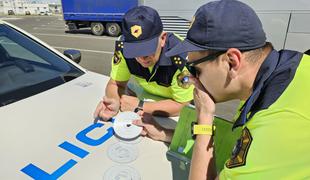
x=229 y=58
x=140 y=53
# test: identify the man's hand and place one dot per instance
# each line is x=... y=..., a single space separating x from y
x=129 y=103
x=107 y=108
x=152 y=129
x=204 y=104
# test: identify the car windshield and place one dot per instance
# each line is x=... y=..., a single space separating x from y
x=28 y=68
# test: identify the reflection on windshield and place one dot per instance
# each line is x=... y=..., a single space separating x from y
x=28 y=68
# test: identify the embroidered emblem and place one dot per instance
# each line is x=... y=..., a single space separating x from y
x=240 y=151
x=183 y=79
x=136 y=31
x=117 y=57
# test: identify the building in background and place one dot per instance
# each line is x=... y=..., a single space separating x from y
x=55 y=8
x=22 y=7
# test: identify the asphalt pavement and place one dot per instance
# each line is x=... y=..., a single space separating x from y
x=97 y=51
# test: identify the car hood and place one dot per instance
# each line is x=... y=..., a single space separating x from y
x=40 y=123
x=53 y=134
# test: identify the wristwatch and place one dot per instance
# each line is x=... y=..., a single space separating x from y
x=202 y=129
x=140 y=106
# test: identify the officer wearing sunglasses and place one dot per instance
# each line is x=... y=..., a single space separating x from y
x=229 y=58
x=191 y=65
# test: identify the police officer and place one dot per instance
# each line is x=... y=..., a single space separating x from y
x=140 y=53
x=226 y=42
x=229 y=58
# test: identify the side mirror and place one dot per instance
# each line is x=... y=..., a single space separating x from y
x=74 y=55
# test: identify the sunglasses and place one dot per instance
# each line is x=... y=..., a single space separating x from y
x=191 y=65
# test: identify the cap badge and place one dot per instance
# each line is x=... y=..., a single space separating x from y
x=136 y=31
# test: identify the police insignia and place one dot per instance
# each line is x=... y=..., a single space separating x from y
x=240 y=151
x=136 y=31
x=117 y=57
x=183 y=79
x=178 y=61
x=119 y=45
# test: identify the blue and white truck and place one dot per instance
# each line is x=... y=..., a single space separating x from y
x=102 y=16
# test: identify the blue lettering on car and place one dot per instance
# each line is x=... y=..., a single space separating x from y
x=37 y=173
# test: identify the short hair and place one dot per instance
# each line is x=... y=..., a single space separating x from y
x=255 y=54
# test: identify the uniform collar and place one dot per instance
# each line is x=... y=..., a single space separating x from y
x=267 y=68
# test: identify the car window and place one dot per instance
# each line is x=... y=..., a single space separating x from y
x=15 y=50
x=28 y=68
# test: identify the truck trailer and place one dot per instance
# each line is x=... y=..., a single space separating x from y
x=102 y=16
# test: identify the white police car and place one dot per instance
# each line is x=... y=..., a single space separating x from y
x=47 y=130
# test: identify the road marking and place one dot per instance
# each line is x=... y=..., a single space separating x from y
x=48 y=28
x=86 y=50
x=74 y=36
x=58 y=22
x=54 y=26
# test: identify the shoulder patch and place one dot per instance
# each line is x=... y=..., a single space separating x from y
x=117 y=57
x=240 y=151
x=178 y=61
x=183 y=79
x=119 y=45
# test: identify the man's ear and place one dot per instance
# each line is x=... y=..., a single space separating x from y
x=234 y=61
x=163 y=38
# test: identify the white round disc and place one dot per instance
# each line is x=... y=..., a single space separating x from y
x=123 y=153
x=121 y=172
x=123 y=126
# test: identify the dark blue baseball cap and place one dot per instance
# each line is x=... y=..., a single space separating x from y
x=142 y=27
x=220 y=25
